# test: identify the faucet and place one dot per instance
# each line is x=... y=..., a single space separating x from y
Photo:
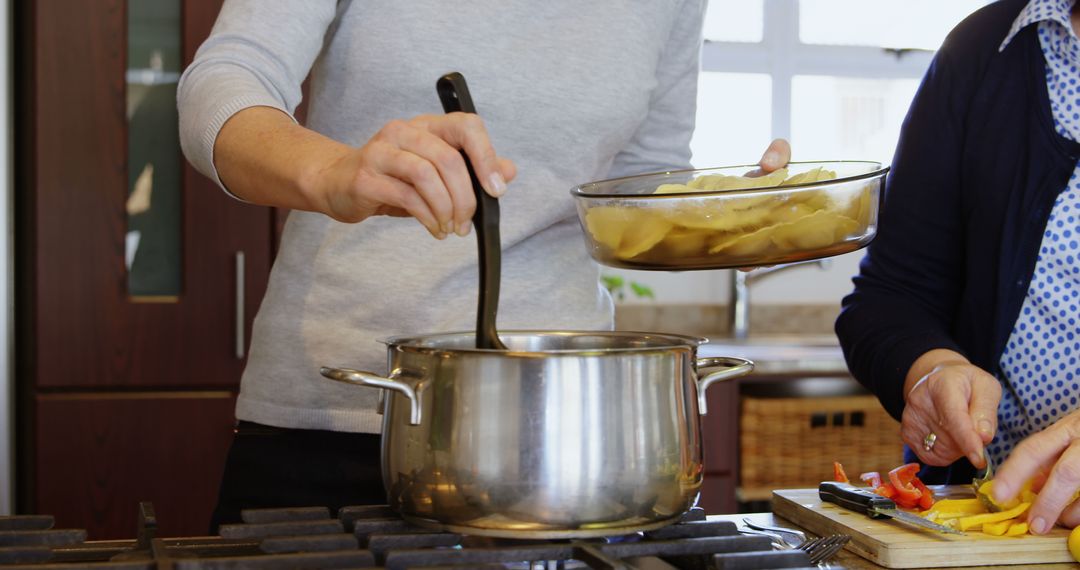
x=739 y=297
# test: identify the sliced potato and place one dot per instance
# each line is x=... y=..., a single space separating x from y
x=743 y=245
x=790 y=212
x=762 y=224
x=866 y=202
x=717 y=217
x=815 y=231
x=714 y=182
x=685 y=242
x=813 y=175
x=644 y=235
x=607 y=224
x=673 y=189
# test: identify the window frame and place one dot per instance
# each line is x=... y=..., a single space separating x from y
x=782 y=55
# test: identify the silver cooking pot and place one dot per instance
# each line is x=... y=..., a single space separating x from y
x=566 y=434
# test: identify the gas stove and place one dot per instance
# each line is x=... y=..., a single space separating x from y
x=374 y=536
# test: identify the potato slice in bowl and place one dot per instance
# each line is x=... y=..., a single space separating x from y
x=721 y=218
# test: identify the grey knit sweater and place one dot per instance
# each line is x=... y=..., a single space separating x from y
x=570 y=91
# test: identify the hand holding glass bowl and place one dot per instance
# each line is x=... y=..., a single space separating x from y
x=719 y=218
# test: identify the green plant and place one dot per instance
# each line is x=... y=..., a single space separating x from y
x=617 y=287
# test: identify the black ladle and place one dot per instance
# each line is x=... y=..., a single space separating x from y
x=454 y=94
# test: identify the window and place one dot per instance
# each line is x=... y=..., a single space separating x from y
x=836 y=80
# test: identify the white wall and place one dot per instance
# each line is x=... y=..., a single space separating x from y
x=7 y=405
x=808 y=285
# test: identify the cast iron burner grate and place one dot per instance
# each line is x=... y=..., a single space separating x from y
x=375 y=537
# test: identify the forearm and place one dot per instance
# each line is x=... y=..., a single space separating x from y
x=264 y=157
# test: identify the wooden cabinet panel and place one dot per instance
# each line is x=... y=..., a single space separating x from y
x=720 y=428
x=718 y=494
x=83 y=318
x=98 y=455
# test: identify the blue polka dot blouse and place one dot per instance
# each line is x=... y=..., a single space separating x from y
x=1041 y=375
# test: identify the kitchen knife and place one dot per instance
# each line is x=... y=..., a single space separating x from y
x=873 y=505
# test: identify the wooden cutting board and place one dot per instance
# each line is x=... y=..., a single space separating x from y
x=897 y=545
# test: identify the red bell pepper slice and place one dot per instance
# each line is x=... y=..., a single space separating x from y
x=905 y=502
x=872 y=478
x=886 y=490
x=927 y=499
x=838 y=473
x=901 y=478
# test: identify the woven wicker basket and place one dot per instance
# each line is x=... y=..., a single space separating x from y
x=792 y=442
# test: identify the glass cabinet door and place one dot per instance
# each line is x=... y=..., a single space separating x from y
x=152 y=245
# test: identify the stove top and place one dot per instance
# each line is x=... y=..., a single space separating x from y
x=374 y=536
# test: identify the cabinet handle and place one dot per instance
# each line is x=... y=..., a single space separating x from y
x=239 y=305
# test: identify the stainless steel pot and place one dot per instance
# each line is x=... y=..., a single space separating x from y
x=566 y=434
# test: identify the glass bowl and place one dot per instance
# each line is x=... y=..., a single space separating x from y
x=718 y=218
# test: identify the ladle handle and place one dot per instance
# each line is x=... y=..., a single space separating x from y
x=454 y=94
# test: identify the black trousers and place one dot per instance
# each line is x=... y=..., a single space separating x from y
x=271 y=467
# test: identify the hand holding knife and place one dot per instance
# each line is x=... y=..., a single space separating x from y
x=873 y=505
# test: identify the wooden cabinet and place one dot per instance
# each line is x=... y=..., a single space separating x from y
x=720 y=433
x=99 y=455
x=122 y=397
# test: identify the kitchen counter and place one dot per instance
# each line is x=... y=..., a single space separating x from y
x=784 y=355
x=853 y=561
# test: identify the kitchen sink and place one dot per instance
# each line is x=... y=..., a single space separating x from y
x=789 y=365
x=802 y=355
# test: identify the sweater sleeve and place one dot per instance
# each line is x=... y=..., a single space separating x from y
x=662 y=142
x=911 y=278
x=257 y=54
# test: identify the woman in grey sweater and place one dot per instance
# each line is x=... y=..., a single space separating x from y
x=568 y=92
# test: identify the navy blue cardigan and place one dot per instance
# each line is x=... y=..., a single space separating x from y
x=975 y=174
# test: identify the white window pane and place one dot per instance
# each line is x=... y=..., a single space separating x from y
x=734 y=119
x=840 y=118
x=734 y=20
x=919 y=24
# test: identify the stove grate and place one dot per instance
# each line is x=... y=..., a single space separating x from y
x=369 y=537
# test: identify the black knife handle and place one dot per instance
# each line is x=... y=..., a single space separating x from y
x=855 y=499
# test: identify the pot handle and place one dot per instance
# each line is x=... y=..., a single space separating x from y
x=361 y=378
x=732 y=368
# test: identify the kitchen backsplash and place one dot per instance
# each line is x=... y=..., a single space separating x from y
x=712 y=320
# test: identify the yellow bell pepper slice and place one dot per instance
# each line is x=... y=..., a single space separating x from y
x=1011 y=527
x=1026 y=495
x=951 y=508
x=1017 y=529
x=996 y=528
x=975 y=521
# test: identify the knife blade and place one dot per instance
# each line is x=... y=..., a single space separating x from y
x=874 y=506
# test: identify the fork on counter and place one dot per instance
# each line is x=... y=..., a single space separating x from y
x=822 y=548
x=790 y=537
x=817 y=549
